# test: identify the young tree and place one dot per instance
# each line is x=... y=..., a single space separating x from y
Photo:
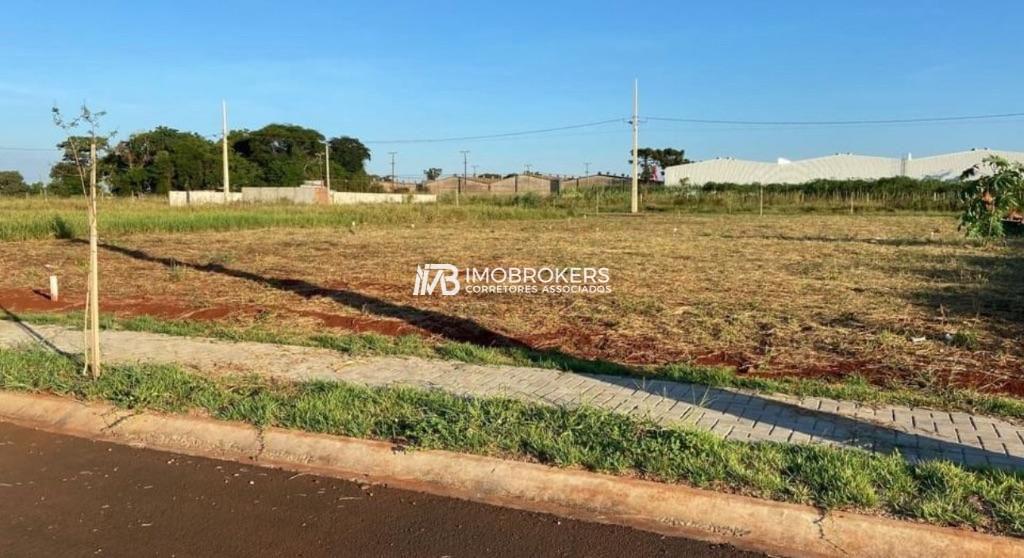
x=433 y=173
x=90 y=120
x=992 y=192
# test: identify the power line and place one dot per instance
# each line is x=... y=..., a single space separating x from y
x=839 y=122
x=29 y=148
x=501 y=135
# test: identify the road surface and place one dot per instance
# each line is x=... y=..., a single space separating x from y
x=64 y=496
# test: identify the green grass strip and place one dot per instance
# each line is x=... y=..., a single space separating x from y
x=35 y=219
x=833 y=478
x=852 y=389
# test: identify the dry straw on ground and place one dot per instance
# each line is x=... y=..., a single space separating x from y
x=888 y=296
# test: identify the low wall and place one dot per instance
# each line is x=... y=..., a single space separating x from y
x=345 y=198
x=180 y=198
x=300 y=195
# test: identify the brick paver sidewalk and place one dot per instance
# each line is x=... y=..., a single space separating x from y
x=737 y=415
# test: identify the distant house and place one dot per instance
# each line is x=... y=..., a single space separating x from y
x=524 y=183
x=841 y=166
x=592 y=181
x=455 y=182
x=512 y=184
x=387 y=185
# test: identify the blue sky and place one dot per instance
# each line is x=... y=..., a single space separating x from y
x=390 y=70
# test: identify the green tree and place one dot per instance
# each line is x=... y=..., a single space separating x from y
x=12 y=183
x=433 y=173
x=651 y=159
x=161 y=160
x=284 y=154
x=66 y=175
x=350 y=154
x=992 y=192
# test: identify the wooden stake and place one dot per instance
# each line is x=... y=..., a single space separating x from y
x=93 y=353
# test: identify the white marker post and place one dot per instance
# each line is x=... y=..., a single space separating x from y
x=54 y=290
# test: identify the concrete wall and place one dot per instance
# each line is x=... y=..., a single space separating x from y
x=344 y=198
x=838 y=167
x=179 y=198
x=299 y=195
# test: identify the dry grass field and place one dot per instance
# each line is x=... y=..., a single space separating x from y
x=889 y=297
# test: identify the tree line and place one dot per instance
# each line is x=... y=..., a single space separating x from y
x=163 y=159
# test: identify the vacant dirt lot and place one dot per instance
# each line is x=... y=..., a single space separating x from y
x=888 y=297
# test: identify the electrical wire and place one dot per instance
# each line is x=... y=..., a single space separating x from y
x=501 y=135
x=754 y=124
x=29 y=148
x=887 y=121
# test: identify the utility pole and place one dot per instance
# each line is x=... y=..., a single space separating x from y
x=586 y=167
x=392 y=153
x=224 y=150
x=94 y=269
x=634 y=204
x=465 y=160
x=474 y=170
x=528 y=167
x=327 y=165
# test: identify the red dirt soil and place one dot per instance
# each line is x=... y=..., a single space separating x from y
x=583 y=344
x=28 y=300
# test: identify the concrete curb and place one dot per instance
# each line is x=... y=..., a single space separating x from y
x=748 y=523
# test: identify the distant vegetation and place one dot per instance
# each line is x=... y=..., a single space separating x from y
x=163 y=159
x=36 y=218
x=886 y=194
x=66 y=218
x=12 y=183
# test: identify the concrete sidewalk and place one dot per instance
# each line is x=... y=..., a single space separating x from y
x=918 y=434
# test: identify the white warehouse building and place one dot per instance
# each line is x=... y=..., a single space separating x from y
x=841 y=166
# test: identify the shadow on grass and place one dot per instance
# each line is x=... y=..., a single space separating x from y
x=978 y=286
x=894 y=242
x=452 y=328
x=744 y=416
x=39 y=338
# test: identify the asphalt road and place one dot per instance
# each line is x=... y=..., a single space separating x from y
x=64 y=496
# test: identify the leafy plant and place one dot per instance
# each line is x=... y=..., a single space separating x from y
x=992 y=192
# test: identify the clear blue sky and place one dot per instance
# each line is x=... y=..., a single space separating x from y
x=385 y=70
